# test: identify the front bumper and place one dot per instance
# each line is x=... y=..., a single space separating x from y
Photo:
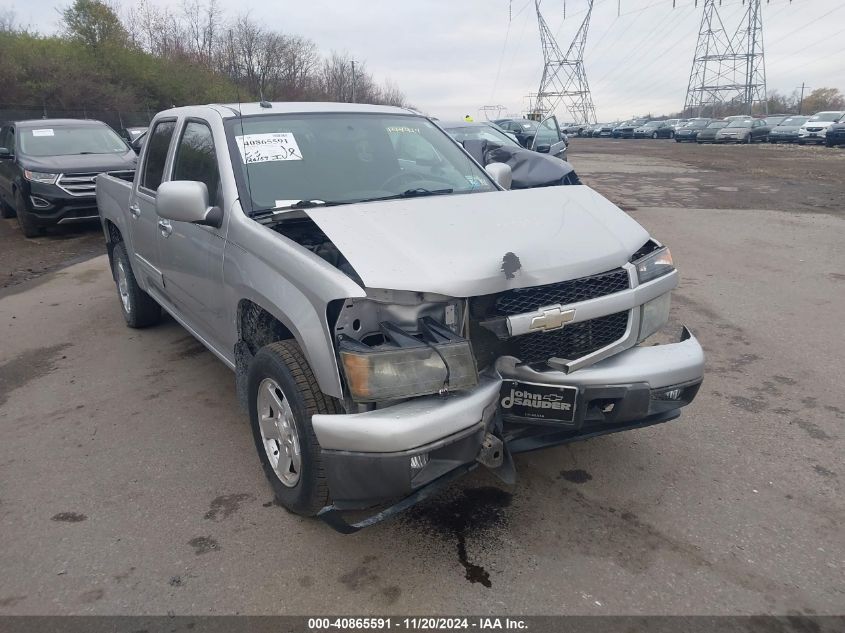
x=49 y=205
x=389 y=453
x=812 y=137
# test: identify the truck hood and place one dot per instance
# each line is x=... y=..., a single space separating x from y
x=79 y=163
x=476 y=244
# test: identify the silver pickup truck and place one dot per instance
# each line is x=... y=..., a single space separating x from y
x=394 y=315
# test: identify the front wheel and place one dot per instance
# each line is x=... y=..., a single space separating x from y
x=28 y=226
x=671 y=135
x=283 y=396
x=654 y=135
x=139 y=308
x=747 y=140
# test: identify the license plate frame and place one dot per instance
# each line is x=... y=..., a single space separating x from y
x=550 y=404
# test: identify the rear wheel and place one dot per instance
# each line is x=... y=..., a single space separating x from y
x=654 y=135
x=747 y=140
x=283 y=396
x=139 y=308
x=28 y=226
x=671 y=134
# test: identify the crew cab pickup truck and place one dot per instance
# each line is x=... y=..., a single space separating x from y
x=394 y=315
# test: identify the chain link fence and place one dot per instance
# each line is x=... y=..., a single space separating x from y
x=117 y=119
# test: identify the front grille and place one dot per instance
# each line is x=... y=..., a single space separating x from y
x=78 y=184
x=573 y=341
x=814 y=129
x=523 y=300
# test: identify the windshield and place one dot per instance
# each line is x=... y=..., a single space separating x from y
x=826 y=116
x=793 y=121
x=697 y=124
x=68 y=140
x=718 y=124
x=653 y=124
x=739 y=123
x=481 y=133
x=280 y=160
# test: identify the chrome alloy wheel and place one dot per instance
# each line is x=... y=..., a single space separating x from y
x=123 y=287
x=278 y=432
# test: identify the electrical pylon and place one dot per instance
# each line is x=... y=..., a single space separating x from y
x=564 y=81
x=728 y=66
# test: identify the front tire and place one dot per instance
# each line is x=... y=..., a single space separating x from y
x=283 y=396
x=28 y=226
x=654 y=135
x=139 y=309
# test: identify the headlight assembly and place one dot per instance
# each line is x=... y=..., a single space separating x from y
x=40 y=176
x=654 y=265
x=408 y=365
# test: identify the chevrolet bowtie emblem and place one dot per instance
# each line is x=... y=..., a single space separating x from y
x=552 y=318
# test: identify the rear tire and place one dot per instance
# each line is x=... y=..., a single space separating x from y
x=283 y=396
x=654 y=135
x=671 y=135
x=28 y=226
x=139 y=309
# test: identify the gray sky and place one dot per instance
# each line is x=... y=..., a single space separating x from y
x=452 y=56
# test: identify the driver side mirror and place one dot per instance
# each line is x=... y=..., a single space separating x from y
x=187 y=201
x=544 y=148
x=5 y=153
x=501 y=173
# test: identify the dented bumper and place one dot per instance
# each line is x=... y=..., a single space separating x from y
x=389 y=453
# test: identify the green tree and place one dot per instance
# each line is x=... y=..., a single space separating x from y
x=93 y=23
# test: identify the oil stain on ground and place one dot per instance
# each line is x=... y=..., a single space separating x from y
x=224 y=506
x=204 y=545
x=68 y=517
x=459 y=513
x=26 y=367
x=576 y=476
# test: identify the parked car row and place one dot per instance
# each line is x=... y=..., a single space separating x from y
x=822 y=127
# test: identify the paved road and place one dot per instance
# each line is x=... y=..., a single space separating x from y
x=129 y=482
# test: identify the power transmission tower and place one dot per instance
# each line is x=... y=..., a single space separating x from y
x=728 y=67
x=564 y=81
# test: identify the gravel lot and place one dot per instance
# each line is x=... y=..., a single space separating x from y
x=129 y=482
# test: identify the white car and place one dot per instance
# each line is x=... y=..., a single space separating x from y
x=814 y=129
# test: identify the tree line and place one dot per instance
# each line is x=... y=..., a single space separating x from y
x=151 y=58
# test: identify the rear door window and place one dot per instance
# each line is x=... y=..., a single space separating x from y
x=196 y=159
x=156 y=156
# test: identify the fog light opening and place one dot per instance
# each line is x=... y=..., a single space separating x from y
x=39 y=203
x=671 y=394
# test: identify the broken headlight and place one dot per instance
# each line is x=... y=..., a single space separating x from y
x=404 y=364
x=654 y=265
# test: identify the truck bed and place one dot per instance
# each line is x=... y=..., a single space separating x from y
x=113 y=198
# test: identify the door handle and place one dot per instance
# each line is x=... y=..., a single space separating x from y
x=165 y=228
x=134 y=210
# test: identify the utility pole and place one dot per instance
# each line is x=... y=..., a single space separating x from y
x=353 y=81
x=801 y=102
x=728 y=66
x=564 y=80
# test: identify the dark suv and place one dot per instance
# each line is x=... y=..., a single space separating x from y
x=48 y=168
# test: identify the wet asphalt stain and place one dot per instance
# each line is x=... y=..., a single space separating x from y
x=576 y=476
x=476 y=511
x=176 y=581
x=391 y=594
x=191 y=347
x=92 y=596
x=811 y=429
x=204 y=545
x=747 y=404
x=68 y=517
x=306 y=581
x=11 y=601
x=824 y=472
x=225 y=506
x=362 y=577
x=26 y=367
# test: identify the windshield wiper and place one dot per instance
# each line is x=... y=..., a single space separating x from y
x=419 y=192
x=300 y=204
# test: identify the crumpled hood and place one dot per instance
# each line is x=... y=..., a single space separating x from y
x=455 y=245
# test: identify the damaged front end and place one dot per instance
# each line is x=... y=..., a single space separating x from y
x=436 y=386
